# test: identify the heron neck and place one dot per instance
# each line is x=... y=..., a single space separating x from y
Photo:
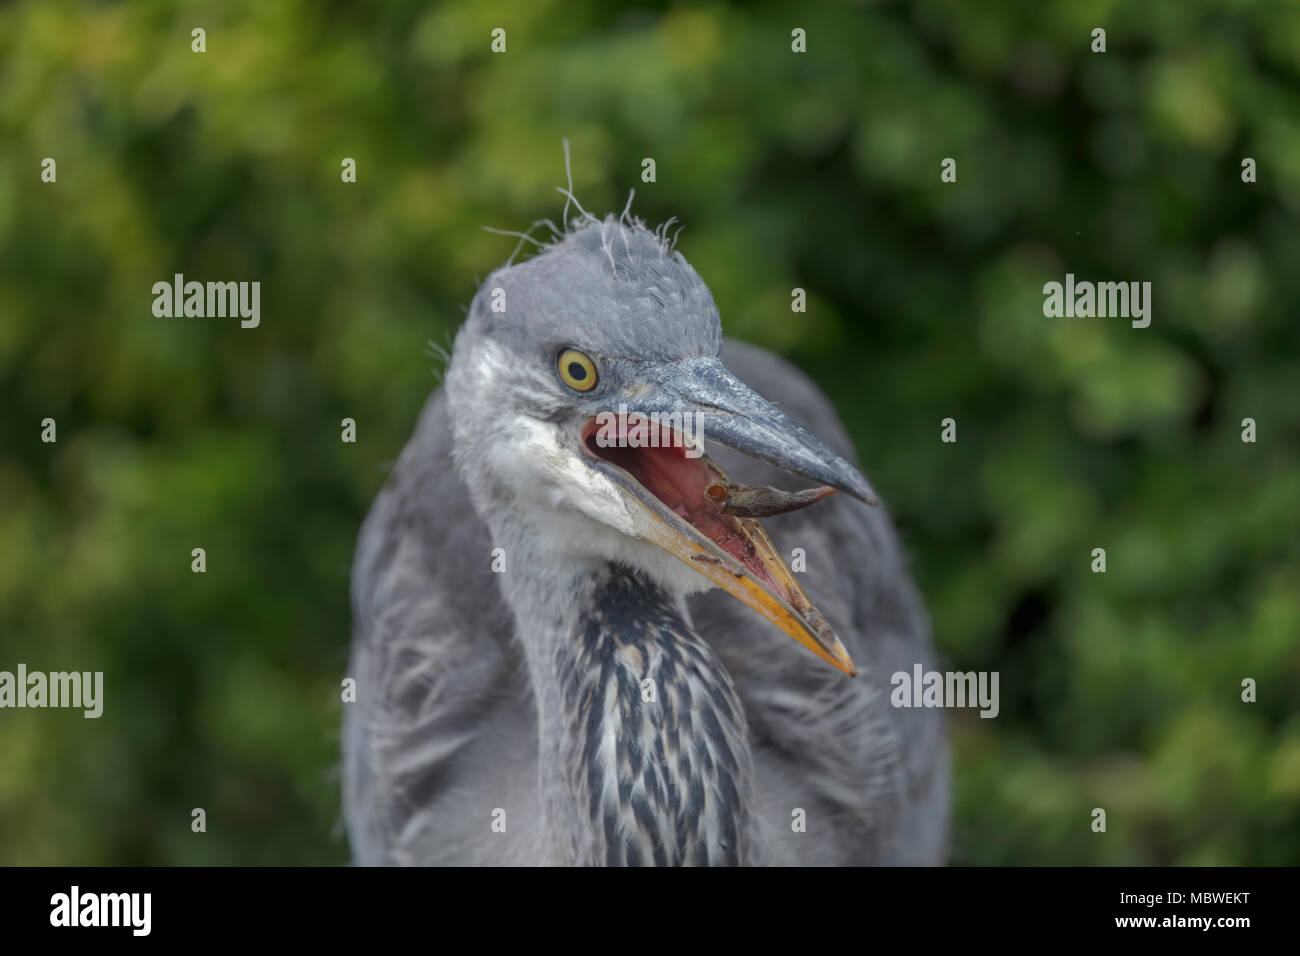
x=644 y=753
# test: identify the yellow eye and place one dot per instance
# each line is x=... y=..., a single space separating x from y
x=577 y=370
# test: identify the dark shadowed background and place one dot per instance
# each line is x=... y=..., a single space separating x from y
x=818 y=170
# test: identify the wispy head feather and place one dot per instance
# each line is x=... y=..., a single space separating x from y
x=627 y=224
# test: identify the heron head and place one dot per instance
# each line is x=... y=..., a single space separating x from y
x=584 y=389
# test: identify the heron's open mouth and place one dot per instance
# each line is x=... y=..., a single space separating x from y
x=695 y=512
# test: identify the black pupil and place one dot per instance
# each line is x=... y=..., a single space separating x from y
x=576 y=371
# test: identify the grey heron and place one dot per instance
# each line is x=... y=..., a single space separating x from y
x=552 y=665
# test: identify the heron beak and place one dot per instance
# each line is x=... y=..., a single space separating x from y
x=685 y=504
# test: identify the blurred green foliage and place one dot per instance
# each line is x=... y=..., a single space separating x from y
x=818 y=170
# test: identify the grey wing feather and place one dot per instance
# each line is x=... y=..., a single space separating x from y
x=438 y=675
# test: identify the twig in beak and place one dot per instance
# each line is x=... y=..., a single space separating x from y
x=762 y=501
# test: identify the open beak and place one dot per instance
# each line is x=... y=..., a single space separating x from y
x=685 y=504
